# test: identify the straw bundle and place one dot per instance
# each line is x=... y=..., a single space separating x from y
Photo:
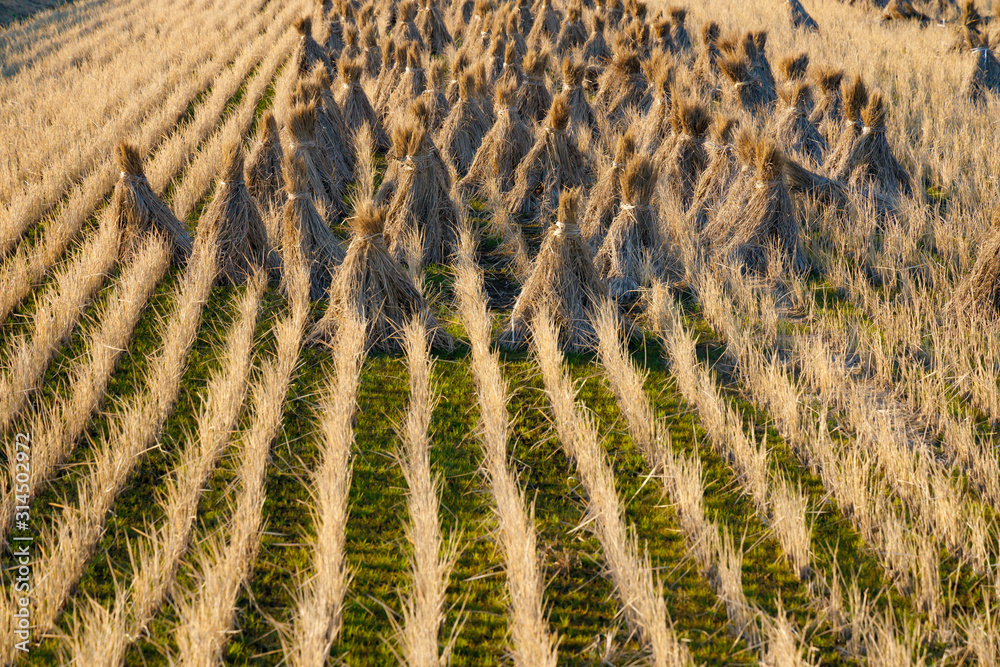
x=493 y=57
x=736 y=185
x=504 y=146
x=352 y=43
x=678 y=31
x=334 y=41
x=633 y=235
x=903 y=10
x=810 y=184
x=534 y=98
x=978 y=295
x=553 y=163
x=595 y=50
x=797 y=135
x=262 y=172
x=827 y=114
x=371 y=51
x=321 y=180
x=303 y=233
x=525 y=17
x=546 y=25
x=605 y=196
x=682 y=161
x=430 y=24
x=768 y=223
x=854 y=94
x=411 y=84
x=434 y=94
x=355 y=105
x=984 y=70
x=969 y=23
x=512 y=71
x=705 y=64
x=308 y=53
x=405 y=30
x=331 y=128
x=871 y=162
x=234 y=219
x=661 y=39
x=373 y=285
x=722 y=169
x=750 y=93
x=794 y=68
x=581 y=115
x=799 y=17
x=464 y=128
x=656 y=127
x=512 y=30
x=622 y=86
x=393 y=61
x=615 y=12
x=421 y=203
x=755 y=47
x=564 y=281
x=137 y=212
x=572 y=33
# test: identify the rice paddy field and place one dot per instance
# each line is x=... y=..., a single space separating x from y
x=479 y=333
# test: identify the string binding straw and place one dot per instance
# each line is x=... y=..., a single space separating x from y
x=569 y=231
x=292 y=196
x=879 y=129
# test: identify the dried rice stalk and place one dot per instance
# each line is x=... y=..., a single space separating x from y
x=793 y=68
x=605 y=196
x=463 y=129
x=634 y=235
x=137 y=212
x=678 y=31
x=581 y=115
x=553 y=163
x=262 y=172
x=827 y=114
x=622 y=86
x=405 y=30
x=797 y=135
x=705 y=65
x=563 y=281
x=355 y=105
x=534 y=98
x=432 y=29
x=682 y=161
x=855 y=98
x=374 y=287
x=321 y=180
x=572 y=33
x=799 y=17
x=656 y=127
x=504 y=146
x=871 y=162
x=234 y=219
x=984 y=70
x=717 y=177
x=308 y=53
x=750 y=93
x=596 y=51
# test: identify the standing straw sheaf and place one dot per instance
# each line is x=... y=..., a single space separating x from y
x=705 y=64
x=871 y=162
x=572 y=33
x=534 y=98
x=767 y=227
x=799 y=17
x=308 y=53
x=372 y=285
x=633 y=238
x=235 y=221
x=596 y=51
x=622 y=87
x=750 y=92
x=305 y=237
x=682 y=161
x=405 y=30
x=797 y=135
x=356 y=107
x=421 y=206
x=410 y=86
x=716 y=179
x=855 y=98
x=605 y=196
x=371 y=53
x=553 y=163
x=581 y=115
x=331 y=127
x=137 y=212
x=984 y=69
x=827 y=114
x=656 y=126
x=794 y=68
x=563 y=281
x=463 y=130
x=504 y=146
x=262 y=171
x=978 y=295
x=321 y=179
x=432 y=29
x=678 y=30
x=546 y=26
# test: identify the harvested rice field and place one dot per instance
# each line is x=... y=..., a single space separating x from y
x=473 y=332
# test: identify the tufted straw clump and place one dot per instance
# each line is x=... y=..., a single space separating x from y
x=717 y=177
x=308 y=53
x=984 y=69
x=605 y=196
x=596 y=51
x=854 y=94
x=622 y=87
x=463 y=130
x=799 y=17
x=504 y=146
x=633 y=236
x=234 y=219
x=798 y=136
x=871 y=163
x=581 y=115
x=534 y=98
x=305 y=237
x=678 y=29
x=430 y=23
x=767 y=226
x=564 y=281
x=354 y=103
x=137 y=212
x=682 y=160
x=747 y=90
x=978 y=295
x=325 y=184
x=553 y=163
x=262 y=171
x=373 y=286
x=572 y=34
x=794 y=68
x=421 y=206
x=828 y=112
x=656 y=126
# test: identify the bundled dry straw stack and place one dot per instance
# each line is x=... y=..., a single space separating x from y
x=505 y=145
x=137 y=212
x=262 y=171
x=564 y=281
x=373 y=285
